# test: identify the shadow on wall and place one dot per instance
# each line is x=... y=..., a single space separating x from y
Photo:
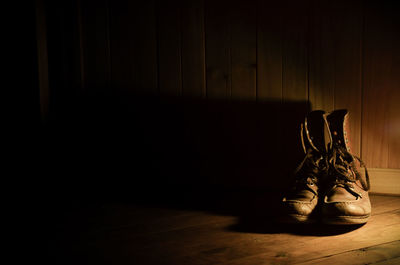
x=149 y=148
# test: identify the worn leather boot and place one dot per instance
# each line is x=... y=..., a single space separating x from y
x=300 y=202
x=346 y=199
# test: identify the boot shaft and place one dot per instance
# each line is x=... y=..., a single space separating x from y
x=338 y=127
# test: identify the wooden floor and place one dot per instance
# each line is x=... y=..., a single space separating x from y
x=133 y=233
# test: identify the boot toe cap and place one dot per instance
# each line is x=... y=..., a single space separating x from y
x=353 y=212
x=299 y=207
x=354 y=208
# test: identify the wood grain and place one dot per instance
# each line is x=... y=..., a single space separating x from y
x=170 y=47
x=348 y=66
x=193 y=49
x=43 y=75
x=145 y=48
x=154 y=235
x=333 y=54
x=322 y=55
x=269 y=50
x=96 y=46
x=244 y=49
x=133 y=47
x=260 y=249
x=335 y=62
x=394 y=76
x=384 y=180
x=369 y=255
x=122 y=43
x=389 y=262
x=218 y=49
x=377 y=87
x=295 y=51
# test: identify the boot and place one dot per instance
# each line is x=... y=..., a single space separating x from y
x=346 y=199
x=300 y=202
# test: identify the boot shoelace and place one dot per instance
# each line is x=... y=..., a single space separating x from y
x=345 y=172
x=308 y=170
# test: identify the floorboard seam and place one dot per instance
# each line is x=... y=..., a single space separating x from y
x=347 y=251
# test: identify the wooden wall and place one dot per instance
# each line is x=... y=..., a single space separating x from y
x=331 y=54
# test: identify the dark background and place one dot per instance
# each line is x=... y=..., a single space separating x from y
x=184 y=104
x=159 y=100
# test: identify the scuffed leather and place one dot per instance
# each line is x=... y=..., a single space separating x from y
x=302 y=202
x=340 y=202
x=300 y=207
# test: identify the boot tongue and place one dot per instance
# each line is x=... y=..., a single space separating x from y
x=337 y=122
x=317 y=131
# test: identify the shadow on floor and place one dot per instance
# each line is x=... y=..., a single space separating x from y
x=270 y=225
x=257 y=211
x=224 y=157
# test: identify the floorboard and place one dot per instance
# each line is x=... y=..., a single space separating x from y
x=131 y=233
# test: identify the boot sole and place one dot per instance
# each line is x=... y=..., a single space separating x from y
x=345 y=220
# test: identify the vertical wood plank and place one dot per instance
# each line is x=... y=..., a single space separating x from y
x=170 y=48
x=295 y=62
x=269 y=50
x=96 y=49
x=43 y=70
x=244 y=49
x=145 y=49
x=394 y=118
x=133 y=47
x=348 y=19
x=218 y=49
x=193 y=49
x=122 y=38
x=394 y=75
x=63 y=51
x=379 y=83
x=375 y=96
x=81 y=47
x=321 y=55
x=294 y=71
x=76 y=49
x=394 y=113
